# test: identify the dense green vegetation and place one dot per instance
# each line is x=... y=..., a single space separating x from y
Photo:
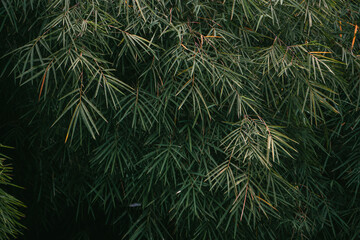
x=170 y=119
x=9 y=205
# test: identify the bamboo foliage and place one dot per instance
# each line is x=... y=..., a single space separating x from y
x=10 y=214
x=187 y=119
